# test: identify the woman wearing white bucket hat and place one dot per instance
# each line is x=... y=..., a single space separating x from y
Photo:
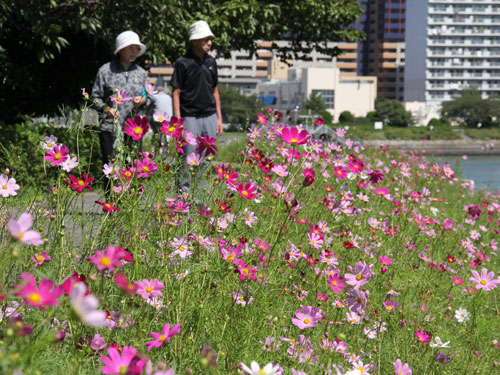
x=121 y=74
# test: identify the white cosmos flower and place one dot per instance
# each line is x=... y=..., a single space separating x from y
x=86 y=306
x=462 y=315
x=255 y=369
x=439 y=344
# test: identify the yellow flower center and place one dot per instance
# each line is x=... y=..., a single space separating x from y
x=293 y=140
x=182 y=248
x=359 y=276
x=81 y=182
x=57 y=156
x=149 y=289
x=389 y=308
x=262 y=372
x=162 y=338
x=137 y=130
x=35 y=297
x=483 y=282
x=245 y=271
x=244 y=193
x=4 y=187
x=160 y=119
x=171 y=129
x=20 y=235
x=105 y=261
x=334 y=283
x=123 y=369
x=40 y=258
x=307 y=321
x=230 y=257
x=145 y=169
x=107 y=205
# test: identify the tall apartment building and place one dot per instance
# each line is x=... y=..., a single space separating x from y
x=382 y=53
x=244 y=71
x=462 y=49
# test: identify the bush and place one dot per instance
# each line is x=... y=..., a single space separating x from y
x=346 y=117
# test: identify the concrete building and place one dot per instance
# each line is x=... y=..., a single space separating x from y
x=339 y=92
x=244 y=71
x=462 y=49
x=382 y=53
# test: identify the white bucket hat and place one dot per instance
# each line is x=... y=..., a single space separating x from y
x=128 y=38
x=200 y=30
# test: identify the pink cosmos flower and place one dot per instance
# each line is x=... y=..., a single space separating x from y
x=261 y=119
x=49 y=142
x=137 y=128
x=85 y=306
x=315 y=240
x=19 y=230
x=194 y=159
x=98 y=342
x=247 y=191
x=163 y=337
x=145 y=168
x=107 y=260
x=457 y=281
x=486 y=280
x=124 y=284
x=391 y=305
x=173 y=127
x=340 y=172
x=69 y=164
x=422 y=336
x=356 y=166
x=40 y=259
x=149 y=288
x=160 y=116
x=8 y=186
x=362 y=275
x=126 y=363
x=400 y=369
x=335 y=283
x=207 y=145
x=308 y=317
x=79 y=184
x=320 y=121
x=41 y=296
x=385 y=260
x=57 y=155
x=246 y=271
x=150 y=90
x=293 y=137
x=120 y=97
x=108 y=207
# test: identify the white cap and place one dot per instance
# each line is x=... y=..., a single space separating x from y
x=128 y=38
x=199 y=30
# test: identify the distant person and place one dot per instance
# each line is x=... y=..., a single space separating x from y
x=121 y=74
x=195 y=94
x=161 y=109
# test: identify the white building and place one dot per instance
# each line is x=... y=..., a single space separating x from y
x=339 y=92
x=462 y=48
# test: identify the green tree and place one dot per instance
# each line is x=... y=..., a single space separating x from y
x=315 y=103
x=237 y=107
x=470 y=110
x=391 y=112
x=50 y=49
x=346 y=117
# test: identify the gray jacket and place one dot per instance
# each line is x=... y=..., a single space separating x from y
x=113 y=76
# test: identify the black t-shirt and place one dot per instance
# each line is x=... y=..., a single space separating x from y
x=196 y=79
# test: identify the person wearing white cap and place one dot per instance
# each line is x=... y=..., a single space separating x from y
x=195 y=95
x=120 y=74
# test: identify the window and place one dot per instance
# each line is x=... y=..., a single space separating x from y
x=327 y=96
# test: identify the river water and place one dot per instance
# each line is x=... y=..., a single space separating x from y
x=483 y=170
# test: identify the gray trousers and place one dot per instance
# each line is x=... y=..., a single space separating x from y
x=199 y=126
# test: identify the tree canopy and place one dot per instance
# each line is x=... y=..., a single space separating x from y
x=471 y=110
x=50 y=49
x=391 y=112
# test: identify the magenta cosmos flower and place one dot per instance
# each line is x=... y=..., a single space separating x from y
x=247 y=191
x=149 y=288
x=19 y=230
x=401 y=369
x=79 y=184
x=40 y=259
x=137 y=128
x=422 y=336
x=173 y=127
x=107 y=260
x=307 y=317
x=163 y=337
x=207 y=145
x=44 y=295
x=126 y=363
x=293 y=136
x=486 y=280
x=8 y=186
x=145 y=168
x=335 y=283
x=57 y=155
